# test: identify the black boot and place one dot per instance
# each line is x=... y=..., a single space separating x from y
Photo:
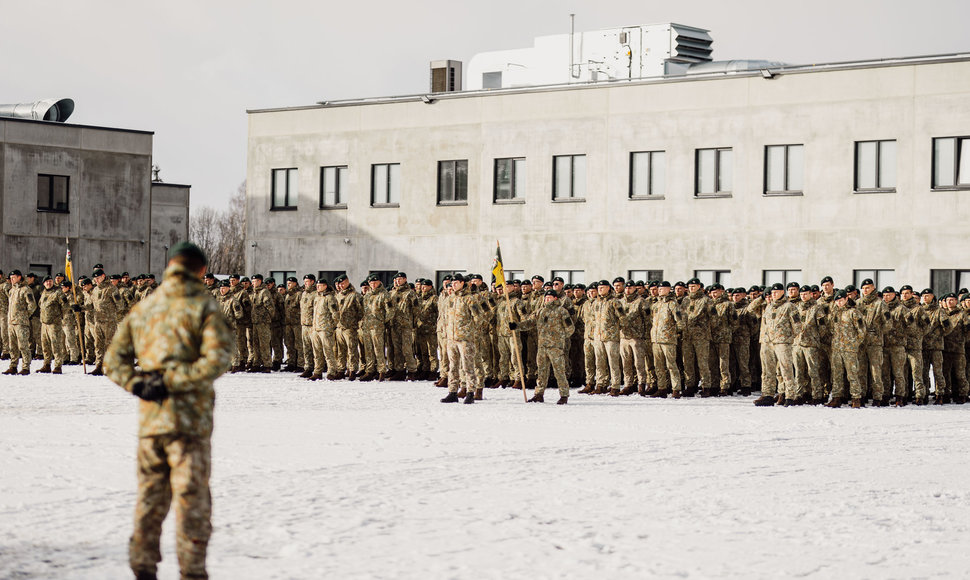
x=452 y=397
x=469 y=398
x=562 y=400
x=537 y=398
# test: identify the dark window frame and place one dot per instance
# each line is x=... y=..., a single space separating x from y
x=42 y=270
x=330 y=276
x=785 y=275
x=572 y=180
x=650 y=156
x=513 y=172
x=50 y=208
x=651 y=275
x=289 y=205
x=387 y=193
x=454 y=193
x=717 y=173
x=957 y=153
x=788 y=191
x=339 y=194
x=878 y=164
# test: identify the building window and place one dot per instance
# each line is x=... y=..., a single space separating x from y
x=509 y=180
x=333 y=187
x=385 y=185
x=492 y=80
x=875 y=166
x=42 y=270
x=571 y=276
x=882 y=278
x=52 y=193
x=453 y=182
x=514 y=275
x=943 y=281
x=783 y=277
x=439 y=276
x=951 y=169
x=330 y=276
x=708 y=277
x=713 y=172
x=647 y=174
x=569 y=178
x=281 y=275
x=646 y=275
x=385 y=276
x=284 y=194
x=784 y=169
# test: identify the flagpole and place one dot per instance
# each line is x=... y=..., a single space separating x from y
x=77 y=315
x=515 y=343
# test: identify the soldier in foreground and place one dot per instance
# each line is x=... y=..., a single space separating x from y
x=181 y=343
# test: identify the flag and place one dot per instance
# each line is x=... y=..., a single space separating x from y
x=498 y=271
x=68 y=270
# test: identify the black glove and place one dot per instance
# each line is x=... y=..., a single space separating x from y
x=150 y=387
x=513 y=326
x=76 y=307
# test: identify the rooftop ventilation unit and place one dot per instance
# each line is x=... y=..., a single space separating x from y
x=690 y=45
x=57 y=110
x=445 y=76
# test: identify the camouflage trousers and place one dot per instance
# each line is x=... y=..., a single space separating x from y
x=35 y=334
x=845 y=363
x=870 y=365
x=52 y=343
x=934 y=358
x=71 y=344
x=324 y=351
x=293 y=341
x=894 y=370
x=722 y=352
x=778 y=357
x=740 y=361
x=426 y=350
x=172 y=467
x=633 y=357
x=554 y=357
x=19 y=336
x=609 y=367
x=462 y=372
x=665 y=364
x=402 y=340
x=808 y=364
x=483 y=349
x=103 y=333
x=577 y=366
x=375 y=357
x=589 y=358
x=276 y=343
x=955 y=371
x=89 y=343
x=306 y=348
x=260 y=344
x=507 y=369
x=348 y=355
x=696 y=362
x=444 y=361
x=4 y=333
x=530 y=350
x=915 y=359
x=242 y=346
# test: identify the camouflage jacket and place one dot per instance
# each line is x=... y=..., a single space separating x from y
x=463 y=316
x=578 y=319
x=377 y=310
x=263 y=305
x=69 y=318
x=876 y=316
x=607 y=312
x=444 y=305
x=181 y=331
x=426 y=314
x=128 y=300
x=36 y=289
x=668 y=319
x=146 y=290
x=246 y=301
x=350 y=309
x=306 y=306
x=896 y=335
x=278 y=308
x=232 y=309
x=755 y=312
x=107 y=302
x=700 y=312
x=955 y=340
x=747 y=323
x=4 y=297
x=588 y=314
x=914 y=323
x=87 y=305
x=724 y=321
x=633 y=322
x=935 y=329
x=325 y=311
x=513 y=312
x=22 y=304
x=53 y=305
x=552 y=323
x=403 y=303
x=848 y=328
x=212 y=289
x=811 y=325
x=291 y=306
x=778 y=322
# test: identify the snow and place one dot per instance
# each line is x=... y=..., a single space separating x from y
x=379 y=480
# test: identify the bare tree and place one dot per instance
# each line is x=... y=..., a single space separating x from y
x=222 y=234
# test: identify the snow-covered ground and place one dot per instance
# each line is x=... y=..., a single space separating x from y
x=379 y=480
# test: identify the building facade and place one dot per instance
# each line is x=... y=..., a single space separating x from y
x=852 y=170
x=91 y=186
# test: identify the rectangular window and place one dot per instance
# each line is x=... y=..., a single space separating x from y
x=439 y=276
x=569 y=178
x=42 y=270
x=783 y=277
x=492 y=80
x=52 y=193
x=509 y=180
x=875 y=166
x=385 y=185
x=708 y=277
x=386 y=276
x=943 y=281
x=330 y=276
x=647 y=174
x=453 y=182
x=784 y=169
x=882 y=278
x=514 y=275
x=713 y=172
x=281 y=275
x=284 y=188
x=570 y=276
x=333 y=187
x=645 y=275
x=951 y=168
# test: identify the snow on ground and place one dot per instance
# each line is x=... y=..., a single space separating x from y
x=379 y=480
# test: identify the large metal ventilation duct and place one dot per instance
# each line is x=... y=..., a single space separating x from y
x=45 y=110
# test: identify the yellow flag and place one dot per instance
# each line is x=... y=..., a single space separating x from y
x=68 y=269
x=498 y=271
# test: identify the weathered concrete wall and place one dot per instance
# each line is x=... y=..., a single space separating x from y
x=828 y=230
x=170 y=221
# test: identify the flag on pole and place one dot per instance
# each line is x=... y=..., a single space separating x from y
x=498 y=271
x=68 y=269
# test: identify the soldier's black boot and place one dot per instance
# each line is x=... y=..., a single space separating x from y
x=660 y=394
x=627 y=391
x=537 y=398
x=57 y=371
x=143 y=575
x=306 y=374
x=12 y=370
x=277 y=365
x=469 y=398
x=764 y=401
x=5 y=356
x=97 y=372
x=451 y=397
x=562 y=400
x=745 y=391
x=45 y=369
x=479 y=395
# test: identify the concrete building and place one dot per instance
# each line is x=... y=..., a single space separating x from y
x=89 y=185
x=741 y=176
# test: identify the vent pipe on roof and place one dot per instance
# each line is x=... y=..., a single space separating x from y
x=57 y=110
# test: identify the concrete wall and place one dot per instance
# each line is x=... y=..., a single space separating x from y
x=170 y=221
x=828 y=230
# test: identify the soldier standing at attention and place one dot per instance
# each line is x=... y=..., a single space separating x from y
x=323 y=335
x=553 y=325
x=778 y=326
x=697 y=338
x=667 y=321
x=211 y=285
x=307 y=297
x=181 y=343
x=22 y=306
x=106 y=303
x=377 y=311
x=426 y=339
x=465 y=311
x=292 y=330
x=350 y=310
x=724 y=322
x=4 y=300
x=402 y=313
x=69 y=324
x=848 y=334
x=233 y=311
x=53 y=305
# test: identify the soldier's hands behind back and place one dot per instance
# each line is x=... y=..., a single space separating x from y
x=150 y=387
x=76 y=307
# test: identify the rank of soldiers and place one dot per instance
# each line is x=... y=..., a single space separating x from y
x=796 y=344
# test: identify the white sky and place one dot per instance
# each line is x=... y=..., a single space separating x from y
x=188 y=70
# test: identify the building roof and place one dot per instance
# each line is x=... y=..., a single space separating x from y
x=75 y=126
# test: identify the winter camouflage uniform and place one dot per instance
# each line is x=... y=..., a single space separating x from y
x=553 y=325
x=179 y=331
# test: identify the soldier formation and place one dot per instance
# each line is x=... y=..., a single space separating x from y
x=796 y=344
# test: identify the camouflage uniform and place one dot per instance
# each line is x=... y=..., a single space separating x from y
x=264 y=306
x=377 y=312
x=588 y=316
x=778 y=325
x=53 y=306
x=553 y=325
x=323 y=336
x=87 y=305
x=350 y=310
x=876 y=316
x=933 y=346
x=807 y=348
x=633 y=346
x=4 y=329
x=441 y=325
x=307 y=297
x=894 y=351
x=577 y=369
x=182 y=333
x=243 y=326
x=606 y=342
x=21 y=307
x=914 y=324
x=106 y=302
x=233 y=312
x=848 y=334
x=69 y=326
x=426 y=340
x=723 y=323
x=954 y=355
x=741 y=345
x=514 y=311
x=35 y=321
x=462 y=328
x=402 y=315
x=292 y=332
x=276 y=327
x=697 y=340
x=667 y=320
